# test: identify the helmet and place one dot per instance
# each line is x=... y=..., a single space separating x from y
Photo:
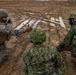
x=72 y=15
x=37 y=35
x=3 y=13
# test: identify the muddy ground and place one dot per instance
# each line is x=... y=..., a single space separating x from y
x=19 y=11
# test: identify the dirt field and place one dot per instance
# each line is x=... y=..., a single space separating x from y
x=21 y=10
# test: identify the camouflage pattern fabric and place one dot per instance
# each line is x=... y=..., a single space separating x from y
x=3 y=52
x=38 y=35
x=3 y=13
x=70 y=41
x=44 y=61
x=5 y=34
x=1 y=23
x=72 y=15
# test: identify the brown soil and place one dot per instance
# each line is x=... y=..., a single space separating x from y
x=18 y=11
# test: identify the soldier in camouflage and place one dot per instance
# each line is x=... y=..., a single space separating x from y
x=6 y=33
x=69 y=42
x=4 y=20
x=40 y=60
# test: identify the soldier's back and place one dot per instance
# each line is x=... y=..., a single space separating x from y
x=42 y=60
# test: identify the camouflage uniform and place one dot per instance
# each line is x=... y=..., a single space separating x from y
x=40 y=60
x=69 y=42
x=6 y=33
